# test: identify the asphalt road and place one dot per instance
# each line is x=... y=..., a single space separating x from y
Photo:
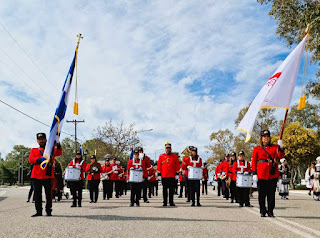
x=297 y=217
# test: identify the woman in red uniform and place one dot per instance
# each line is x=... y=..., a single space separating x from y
x=195 y=161
x=93 y=171
x=242 y=166
x=265 y=169
x=76 y=186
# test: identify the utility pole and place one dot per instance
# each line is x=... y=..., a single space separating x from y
x=75 y=132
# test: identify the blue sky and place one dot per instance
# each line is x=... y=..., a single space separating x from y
x=182 y=68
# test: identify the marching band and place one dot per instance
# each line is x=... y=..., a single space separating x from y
x=234 y=177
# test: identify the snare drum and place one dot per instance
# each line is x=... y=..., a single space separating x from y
x=72 y=174
x=104 y=176
x=194 y=173
x=136 y=176
x=244 y=180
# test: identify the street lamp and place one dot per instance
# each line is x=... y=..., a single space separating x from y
x=144 y=130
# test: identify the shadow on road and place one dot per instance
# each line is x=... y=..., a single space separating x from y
x=2 y=198
x=301 y=217
x=128 y=218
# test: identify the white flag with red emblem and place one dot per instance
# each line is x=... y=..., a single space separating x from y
x=277 y=92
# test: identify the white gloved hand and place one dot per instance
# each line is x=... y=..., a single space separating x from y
x=188 y=166
x=159 y=177
x=280 y=143
x=131 y=168
x=255 y=178
x=149 y=177
x=141 y=155
x=140 y=168
x=116 y=172
x=218 y=174
x=245 y=173
x=177 y=177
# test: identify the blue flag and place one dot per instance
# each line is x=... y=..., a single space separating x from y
x=59 y=116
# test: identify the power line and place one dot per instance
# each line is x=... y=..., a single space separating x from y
x=30 y=116
x=20 y=46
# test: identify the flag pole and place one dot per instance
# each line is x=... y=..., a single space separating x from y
x=283 y=124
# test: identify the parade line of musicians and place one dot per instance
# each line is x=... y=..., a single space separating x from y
x=235 y=177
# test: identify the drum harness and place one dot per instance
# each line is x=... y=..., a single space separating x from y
x=242 y=166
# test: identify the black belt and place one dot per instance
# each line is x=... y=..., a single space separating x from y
x=264 y=160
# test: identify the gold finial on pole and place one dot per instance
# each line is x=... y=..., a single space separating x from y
x=79 y=38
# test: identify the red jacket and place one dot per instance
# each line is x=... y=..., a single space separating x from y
x=261 y=163
x=82 y=164
x=116 y=171
x=37 y=172
x=192 y=164
x=151 y=175
x=107 y=169
x=95 y=176
x=205 y=173
x=184 y=165
x=236 y=168
x=147 y=165
x=217 y=171
x=224 y=167
x=231 y=174
x=168 y=165
x=131 y=165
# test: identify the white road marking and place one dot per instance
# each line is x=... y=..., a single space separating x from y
x=2 y=192
x=281 y=222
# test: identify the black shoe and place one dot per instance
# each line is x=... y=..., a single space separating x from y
x=188 y=201
x=108 y=198
x=104 y=198
x=49 y=214
x=73 y=205
x=240 y=205
x=146 y=201
x=28 y=200
x=91 y=201
x=198 y=205
x=270 y=214
x=79 y=205
x=131 y=204
x=37 y=215
x=138 y=204
x=309 y=193
x=231 y=200
x=172 y=205
x=164 y=205
x=248 y=205
x=117 y=196
x=180 y=196
x=192 y=205
x=95 y=201
x=263 y=215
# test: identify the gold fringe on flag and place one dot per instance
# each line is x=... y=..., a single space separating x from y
x=76 y=105
x=302 y=102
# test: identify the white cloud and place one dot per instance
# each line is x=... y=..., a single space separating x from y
x=128 y=59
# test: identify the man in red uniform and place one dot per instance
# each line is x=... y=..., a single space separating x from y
x=147 y=164
x=265 y=169
x=168 y=169
x=205 y=175
x=182 y=182
x=195 y=162
x=76 y=186
x=224 y=170
x=106 y=172
x=42 y=177
x=93 y=169
x=151 y=180
x=114 y=176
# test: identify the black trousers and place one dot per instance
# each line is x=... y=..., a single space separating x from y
x=144 y=189
x=205 y=186
x=156 y=185
x=176 y=186
x=151 y=188
x=46 y=183
x=195 y=189
x=168 y=184
x=76 y=191
x=183 y=184
x=31 y=190
x=116 y=187
x=107 y=188
x=219 y=187
x=267 y=189
x=187 y=187
x=94 y=189
x=233 y=190
x=244 y=197
x=135 y=192
x=225 y=189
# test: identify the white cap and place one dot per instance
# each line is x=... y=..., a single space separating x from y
x=318 y=159
x=282 y=160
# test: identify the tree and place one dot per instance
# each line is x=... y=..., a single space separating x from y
x=122 y=138
x=67 y=146
x=99 y=146
x=301 y=147
x=292 y=17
